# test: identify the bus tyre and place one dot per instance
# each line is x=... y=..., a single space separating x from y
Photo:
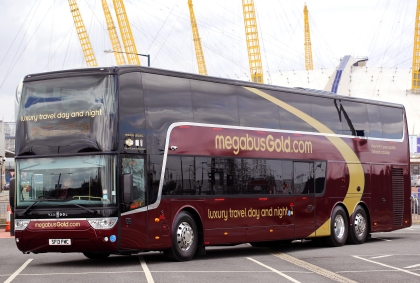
x=339 y=228
x=359 y=229
x=96 y=256
x=184 y=238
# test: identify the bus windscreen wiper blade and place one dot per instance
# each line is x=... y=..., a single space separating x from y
x=85 y=208
x=35 y=202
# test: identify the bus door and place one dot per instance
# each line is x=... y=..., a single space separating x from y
x=133 y=221
x=381 y=197
x=304 y=205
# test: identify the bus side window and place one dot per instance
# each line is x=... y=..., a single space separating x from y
x=319 y=173
x=303 y=180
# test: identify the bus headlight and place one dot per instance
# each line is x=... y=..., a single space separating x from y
x=21 y=224
x=102 y=223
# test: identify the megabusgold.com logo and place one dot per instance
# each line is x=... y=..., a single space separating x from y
x=58 y=224
x=262 y=144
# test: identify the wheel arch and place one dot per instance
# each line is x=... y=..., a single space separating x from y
x=197 y=219
x=343 y=206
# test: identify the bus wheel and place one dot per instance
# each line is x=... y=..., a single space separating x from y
x=339 y=228
x=359 y=230
x=96 y=256
x=184 y=238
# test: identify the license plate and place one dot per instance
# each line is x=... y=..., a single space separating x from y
x=59 y=242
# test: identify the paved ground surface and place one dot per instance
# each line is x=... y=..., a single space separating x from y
x=387 y=257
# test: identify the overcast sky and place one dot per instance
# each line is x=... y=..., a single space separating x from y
x=39 y=35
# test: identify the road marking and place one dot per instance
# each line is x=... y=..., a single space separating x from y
x=314 y=268
x=386 y=265
x=18 y=271
x=274 y=270
x=381 y=256
x=411 y=266
x=146 y=270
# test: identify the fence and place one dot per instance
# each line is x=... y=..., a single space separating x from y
x=3 y=212
x=415 y=208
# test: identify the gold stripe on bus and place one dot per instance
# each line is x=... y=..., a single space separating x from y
x=356 y=173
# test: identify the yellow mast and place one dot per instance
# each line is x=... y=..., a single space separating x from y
x=252 y=41
x=126 y=34
x=113 y=36
x=309 y=65
x=202 y=70
x=83 y=35
x=415 y=81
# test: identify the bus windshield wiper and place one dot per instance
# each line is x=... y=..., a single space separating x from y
x=85 y=208
x=35 y=202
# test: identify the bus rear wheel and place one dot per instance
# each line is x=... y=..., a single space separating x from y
x=339 y=228
x=96 y=256
x=184 y=238
x=359 y=229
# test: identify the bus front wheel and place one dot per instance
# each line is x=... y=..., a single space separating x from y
x=359 y=229
x=339 y=228
x=184 y=238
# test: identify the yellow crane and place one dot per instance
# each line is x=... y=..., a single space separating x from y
x=113 y=36
x=252 y=41
x=202 y=70
x=126 y=34
x=309 y=65
x=415 y=80
x=82 y=34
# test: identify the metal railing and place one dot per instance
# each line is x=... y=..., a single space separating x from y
x=3 y=212
x=415 y=209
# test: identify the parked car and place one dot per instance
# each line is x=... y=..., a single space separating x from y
x=415 y=180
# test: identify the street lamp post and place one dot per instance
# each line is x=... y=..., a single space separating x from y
x=144 y=55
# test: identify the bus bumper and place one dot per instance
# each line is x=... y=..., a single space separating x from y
x=66 y=239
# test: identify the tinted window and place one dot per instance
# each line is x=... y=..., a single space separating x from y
x=375 y=124
x=255 y=111
x=354 y=118
x=214 y=103
x=240 y=176
x=320 y=169
x=67 y=115
x=276 y=178
x=180 y=177
x=167 y=100
x=303 y=181
x=326 y=111
x=289 y=121
x=132 y=117
x=392 y=122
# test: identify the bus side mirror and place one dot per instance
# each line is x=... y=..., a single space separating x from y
x=12 y=194
x=128 y=188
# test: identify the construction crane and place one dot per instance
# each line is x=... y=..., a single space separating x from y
x=126 y=34
x=113 y=36
x=252 y=41
x=415 y=80
x=202 y=70
x=309 y=65
x=82 y=34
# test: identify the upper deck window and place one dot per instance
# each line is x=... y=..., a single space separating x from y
x=54 y=112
